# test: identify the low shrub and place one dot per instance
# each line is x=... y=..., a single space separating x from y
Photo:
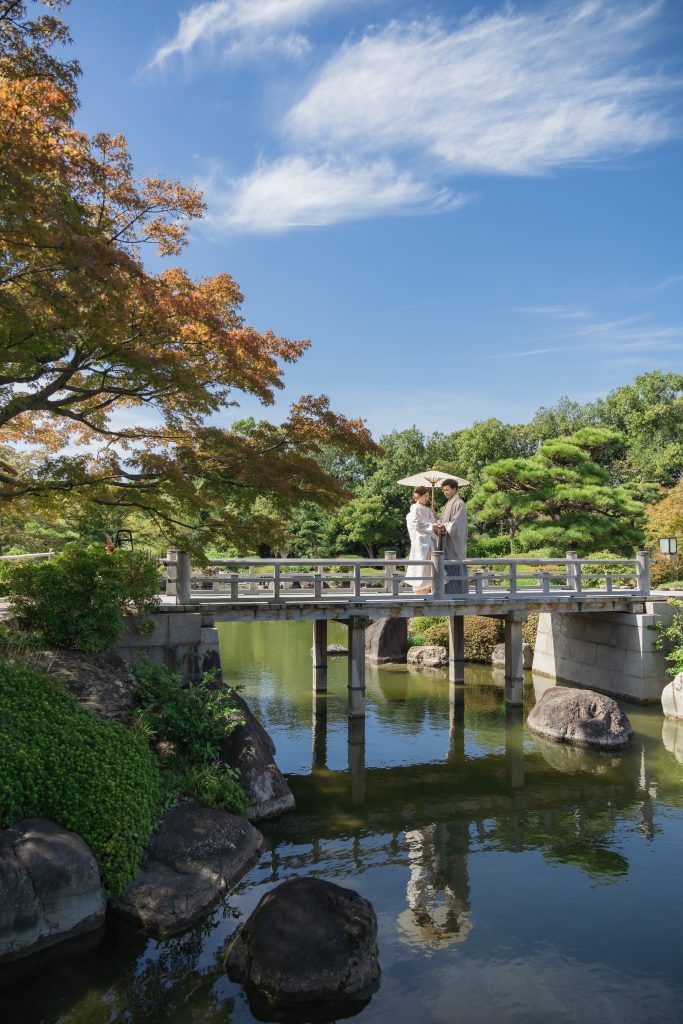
x=436 y=634
x=670 y=639
x=186 y=725
x=77 y=599
x=482 y=633
x=60 y=761
x=665 y=570
x=530 y=630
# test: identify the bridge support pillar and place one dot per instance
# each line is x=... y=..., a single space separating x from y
x=456 y=648
x=319 y=730
x=356 y=751
x=514 y=744
x=320 y=656
x=356 y=679
x=514 y=663
x=456 y=722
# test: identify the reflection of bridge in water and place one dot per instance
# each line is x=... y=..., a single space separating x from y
x=429 y=818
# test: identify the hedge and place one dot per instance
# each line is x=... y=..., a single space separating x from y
x=59 y=761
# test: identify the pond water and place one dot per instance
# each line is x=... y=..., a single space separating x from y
x=513 y=880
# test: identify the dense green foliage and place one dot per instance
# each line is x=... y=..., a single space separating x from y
x=186 y=725
x=62 y=762
x=77 y=599
x=563 y=498
x=670 y=639
x=482 y=633
x=646 y=417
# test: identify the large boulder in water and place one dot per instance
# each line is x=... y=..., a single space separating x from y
x=50 y=887
x=250 y=749
x=308 y=942
x=386 y=640
x=197 y=855
x=582 y=718
x=672 y=699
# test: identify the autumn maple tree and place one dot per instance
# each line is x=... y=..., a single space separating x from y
x=89 y=337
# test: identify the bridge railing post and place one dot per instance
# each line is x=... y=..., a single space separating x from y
x=572 y=569
x=643 y=572
x=389 y=572
x=438 y=574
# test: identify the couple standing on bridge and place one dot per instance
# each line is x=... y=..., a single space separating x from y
x=427 y=533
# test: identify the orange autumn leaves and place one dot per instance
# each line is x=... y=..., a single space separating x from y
x=111 y=377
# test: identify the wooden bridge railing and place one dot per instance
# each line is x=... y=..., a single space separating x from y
x=247 y=580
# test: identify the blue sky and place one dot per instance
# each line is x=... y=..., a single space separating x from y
x=471 y=211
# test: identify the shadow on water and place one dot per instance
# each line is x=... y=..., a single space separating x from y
x=494 y=860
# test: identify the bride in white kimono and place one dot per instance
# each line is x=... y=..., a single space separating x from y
x=420 y=521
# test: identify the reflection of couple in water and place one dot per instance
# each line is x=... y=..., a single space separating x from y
x=426 y=532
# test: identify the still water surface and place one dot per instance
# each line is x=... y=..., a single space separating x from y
x=514 y=881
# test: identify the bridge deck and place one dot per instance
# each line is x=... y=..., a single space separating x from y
x=216 y=608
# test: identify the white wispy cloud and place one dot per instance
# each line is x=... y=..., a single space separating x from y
x=625 y=335
x=229 y=27
x=391 y=120
x=296 y=191
x=555 y=312
x=666 y=283
x=512 y=93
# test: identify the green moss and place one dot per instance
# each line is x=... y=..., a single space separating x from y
x=59 y=761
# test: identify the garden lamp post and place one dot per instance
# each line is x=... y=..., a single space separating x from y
x=668 y=546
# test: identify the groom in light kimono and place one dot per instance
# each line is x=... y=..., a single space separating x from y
x=453 y=531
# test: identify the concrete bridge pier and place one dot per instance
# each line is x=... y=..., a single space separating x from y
x=456 y=648
x=320 y=656
x=514 y=660
x=357 y=625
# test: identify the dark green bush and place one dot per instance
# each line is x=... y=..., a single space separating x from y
x=670 y=639
x=59 y=761
x=186 y=725
x=77 y=600
x=481 y=634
